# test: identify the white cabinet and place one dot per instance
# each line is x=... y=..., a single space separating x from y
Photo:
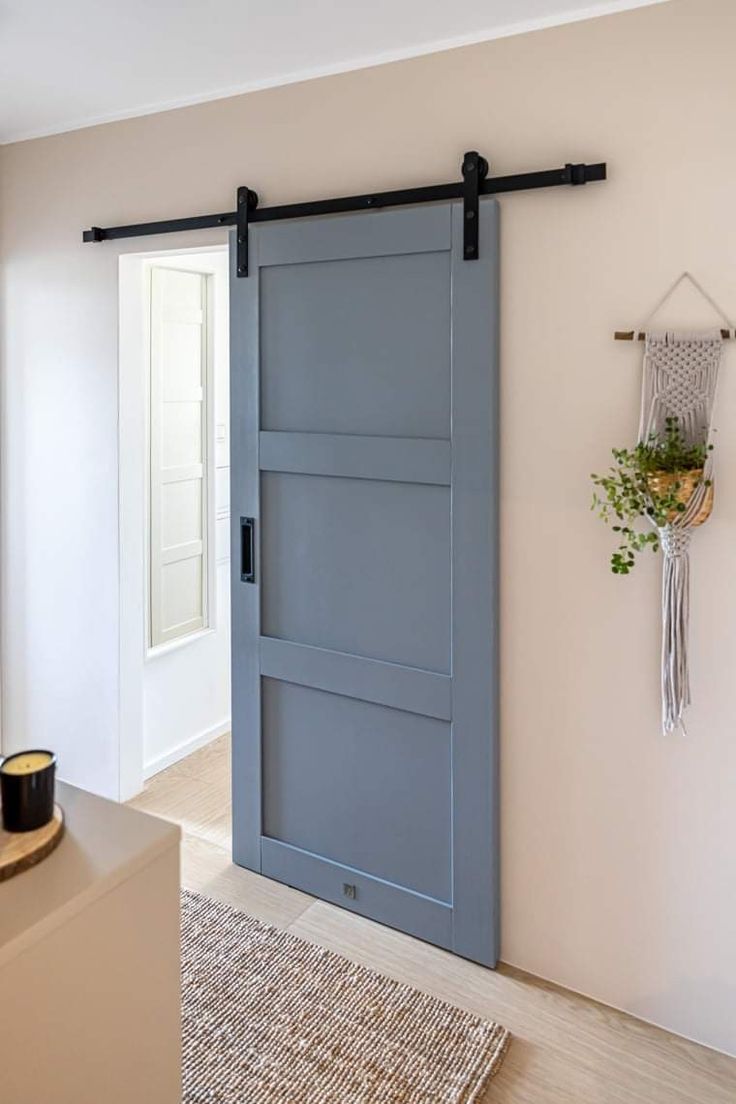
x=90 y=1008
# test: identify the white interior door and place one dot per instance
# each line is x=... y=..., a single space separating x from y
x=178 y=452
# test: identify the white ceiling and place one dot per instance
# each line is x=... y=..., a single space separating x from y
x=66 y=64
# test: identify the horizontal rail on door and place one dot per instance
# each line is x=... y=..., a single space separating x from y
x=474 y=184
x=388 y=903
x=412 y=689
x=397 y=459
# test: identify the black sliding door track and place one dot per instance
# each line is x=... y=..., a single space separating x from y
x=474 y=184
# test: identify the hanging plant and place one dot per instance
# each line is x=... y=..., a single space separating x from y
x=650 y=484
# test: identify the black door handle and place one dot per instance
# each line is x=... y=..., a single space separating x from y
x=247 y=561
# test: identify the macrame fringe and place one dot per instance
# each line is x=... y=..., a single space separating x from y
x=675 y=620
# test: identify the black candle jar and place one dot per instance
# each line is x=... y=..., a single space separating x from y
x=27 y=790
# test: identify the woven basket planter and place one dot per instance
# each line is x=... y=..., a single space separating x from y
x=661 y=482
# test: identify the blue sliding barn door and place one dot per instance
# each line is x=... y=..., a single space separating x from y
x=364 y=503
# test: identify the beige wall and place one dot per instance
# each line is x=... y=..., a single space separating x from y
x=618 y=844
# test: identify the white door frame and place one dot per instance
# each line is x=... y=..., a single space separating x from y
x=133 y=505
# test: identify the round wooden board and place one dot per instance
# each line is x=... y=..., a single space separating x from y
x=21 y=850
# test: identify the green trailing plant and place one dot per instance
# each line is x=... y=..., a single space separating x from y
x=628 y=494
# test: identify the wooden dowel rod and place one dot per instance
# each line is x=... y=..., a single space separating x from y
x=631 y=335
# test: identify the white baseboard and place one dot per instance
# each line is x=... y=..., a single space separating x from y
x=161 y=762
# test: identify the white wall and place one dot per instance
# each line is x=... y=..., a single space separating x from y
x=618 y=874
x=175 y=697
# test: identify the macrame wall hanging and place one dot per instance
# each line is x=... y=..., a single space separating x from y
x=679 y=377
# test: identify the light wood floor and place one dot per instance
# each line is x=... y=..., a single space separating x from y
x=565 y=1050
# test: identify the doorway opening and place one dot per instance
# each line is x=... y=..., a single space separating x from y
x=364 y=584
x=174 y=509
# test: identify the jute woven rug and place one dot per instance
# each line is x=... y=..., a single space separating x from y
x=271 y=1018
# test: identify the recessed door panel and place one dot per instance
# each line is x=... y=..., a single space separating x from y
x=182 y=516
x=360 y=784
x=377 y=551
x=341 y=343
x=182 y=597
